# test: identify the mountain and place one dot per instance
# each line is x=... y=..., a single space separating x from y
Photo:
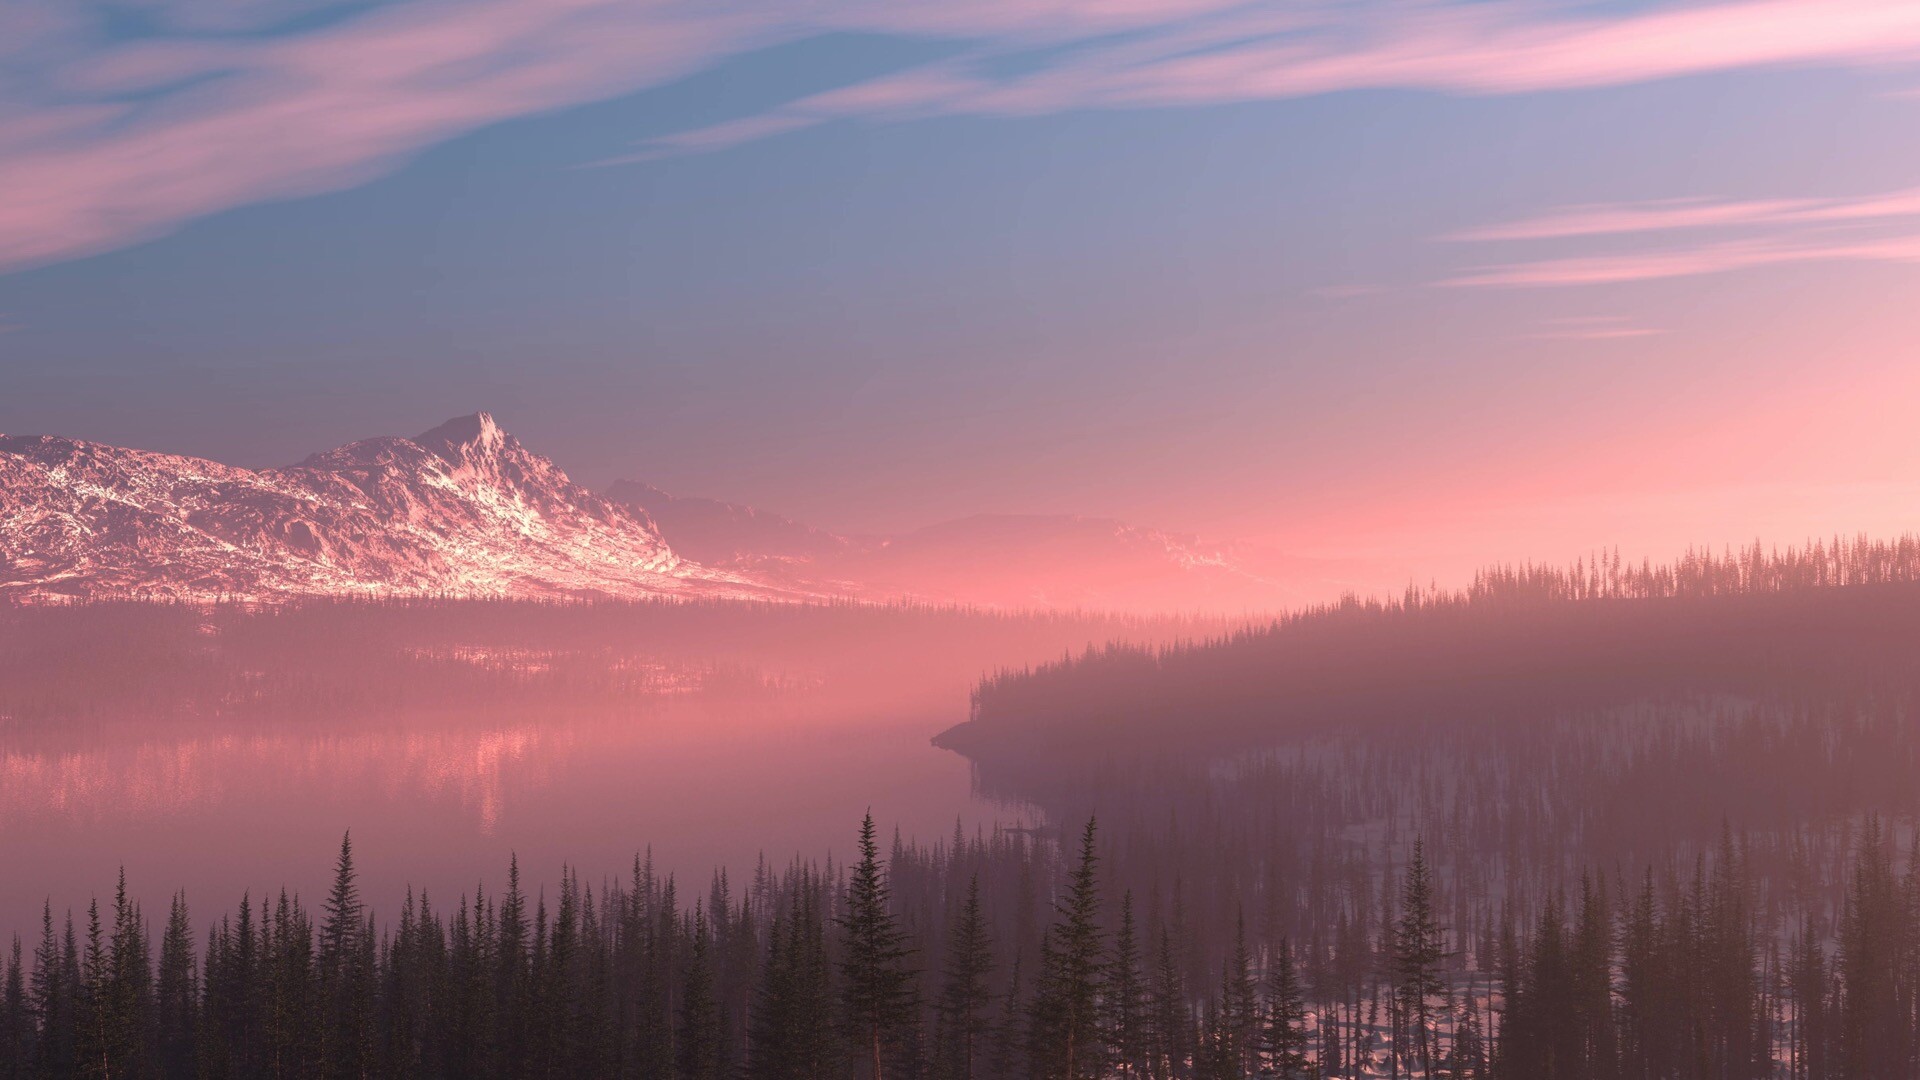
x=463 y=509
x=466 y=510
x=989 y=560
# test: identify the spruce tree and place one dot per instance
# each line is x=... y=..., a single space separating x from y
x=1066 y=1023
x=513 y=978
x=877 y=987
x=1591 y=961
x=1283 y=1043
x=1239 y=1004
x=1169 y=1023
x=345 y=984
x=128 y=1004
x=52 y=999
x=177 y=995
x=94 y=1035
x=698 y=1043
x=1009 y=1032
x=1419 y=947
x=792 y=1021
x=1125 y=1020
x=292 y=1037
x=1872 y=1028
x=16 y=1022
x=965 y=995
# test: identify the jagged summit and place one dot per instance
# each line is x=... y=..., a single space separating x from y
x=464 y=509
x=464 y=436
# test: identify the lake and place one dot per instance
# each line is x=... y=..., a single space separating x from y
x=439 y=802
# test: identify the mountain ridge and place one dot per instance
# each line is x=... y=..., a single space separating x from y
x=464 y=509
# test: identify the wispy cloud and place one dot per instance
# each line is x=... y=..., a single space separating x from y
x=1711 y=258
x=1591 y=328
x=1346 y=292
x=1672 y=238
x=1676 y=214
x=103 y=144
x=1245 y=53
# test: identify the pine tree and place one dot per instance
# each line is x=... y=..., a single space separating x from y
x=513 y=978
x=965 y=996
x=1591 y=976
x=1809 y=1041
x=52 y=996
x=698 y=1042
x=233 y=995
x=1729 y=960
x=16 y=1022
x=1872 y=1029
x=1009 y=1032
x=1283 y=1043
x=130 y=991
x=792 y=1020
x=94 y=1036
x=1065 y=1036
x=177 y=995
x=1642 y=1009
x=1125 y=1022
x=345 y=985
x=877 y=987
x=1419 y=947
x=1169 y=1023
x=1239 y=1005
x=293 y=1034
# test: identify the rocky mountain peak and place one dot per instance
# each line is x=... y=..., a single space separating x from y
x=466 y=437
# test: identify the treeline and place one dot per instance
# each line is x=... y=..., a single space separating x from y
x=1818 y=564
x=1799 y=624
x=1586 y=717
x=987 y=957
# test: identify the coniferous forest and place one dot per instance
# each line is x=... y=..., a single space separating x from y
x=983 y=956
x=1601 y=823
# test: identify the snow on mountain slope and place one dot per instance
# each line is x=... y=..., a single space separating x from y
x=463 y=509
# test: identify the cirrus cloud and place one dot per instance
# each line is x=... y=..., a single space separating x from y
x=105 y=143
x=1715 y=236
x=1690 y=261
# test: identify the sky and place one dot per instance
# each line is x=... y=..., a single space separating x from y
x=1430 y=283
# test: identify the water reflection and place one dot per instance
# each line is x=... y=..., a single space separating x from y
x=435 y=801
x=154 y=780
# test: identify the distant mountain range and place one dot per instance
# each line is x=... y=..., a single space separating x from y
x=466 y=510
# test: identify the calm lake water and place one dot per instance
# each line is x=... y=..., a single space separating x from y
x=441 y=803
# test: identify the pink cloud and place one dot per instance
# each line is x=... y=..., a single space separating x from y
x=1227 y=53
x=715 y=137
x=1591 y=328
x=1766 y=232
x=1699 y=214
x=231 y=120
x=291 y=117
x=1688 y=262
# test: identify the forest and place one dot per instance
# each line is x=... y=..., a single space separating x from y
x=986 y=956
x=1602 y=822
